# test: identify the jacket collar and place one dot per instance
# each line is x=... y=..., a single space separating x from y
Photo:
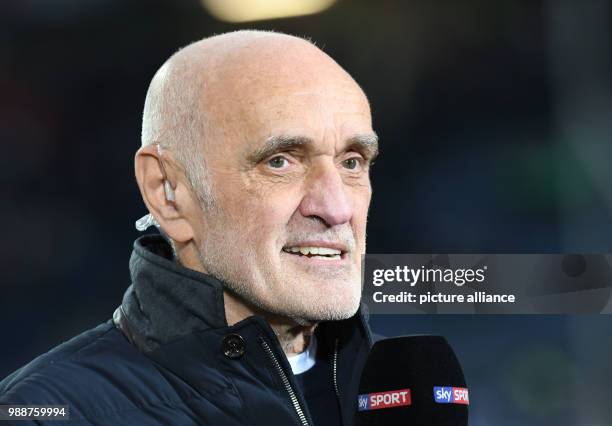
x=166 y=301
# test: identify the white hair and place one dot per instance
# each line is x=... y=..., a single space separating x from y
x=174 y=118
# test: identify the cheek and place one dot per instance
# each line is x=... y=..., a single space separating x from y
x=361 y=203
x=360 y=213
x=266 y=216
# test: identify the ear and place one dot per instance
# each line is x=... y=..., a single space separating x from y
x=173 y=216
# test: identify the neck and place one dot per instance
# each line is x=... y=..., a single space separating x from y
x=294 y=338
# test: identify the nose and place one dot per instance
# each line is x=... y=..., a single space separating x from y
x=326 y=197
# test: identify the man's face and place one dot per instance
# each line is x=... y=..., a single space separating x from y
x=291 y=189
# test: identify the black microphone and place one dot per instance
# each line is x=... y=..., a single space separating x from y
x=412 y=381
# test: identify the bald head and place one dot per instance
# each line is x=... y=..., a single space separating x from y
x=204 y=90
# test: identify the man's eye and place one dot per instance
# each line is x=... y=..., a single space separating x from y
x=351 y=163
x=278 y=162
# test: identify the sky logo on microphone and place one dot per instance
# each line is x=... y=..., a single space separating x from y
x=388 y=399
x=451 y=395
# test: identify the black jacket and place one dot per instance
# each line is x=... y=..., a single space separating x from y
x=169 y=357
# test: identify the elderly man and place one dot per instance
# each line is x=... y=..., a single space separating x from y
x=254 y=164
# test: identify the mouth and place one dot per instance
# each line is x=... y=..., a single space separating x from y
x=317 y=251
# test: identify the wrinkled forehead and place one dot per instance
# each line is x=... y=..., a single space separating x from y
x=315 y=100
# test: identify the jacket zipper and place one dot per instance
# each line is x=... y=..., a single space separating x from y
x=335 y=369
x=335 y=380
x=285 y=380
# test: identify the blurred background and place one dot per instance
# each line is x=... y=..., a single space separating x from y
x=495 y=120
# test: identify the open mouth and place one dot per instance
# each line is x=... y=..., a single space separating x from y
x=325 y=253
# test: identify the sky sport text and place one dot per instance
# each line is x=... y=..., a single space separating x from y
x=387 y=399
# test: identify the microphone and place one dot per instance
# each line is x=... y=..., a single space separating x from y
x=412 y=381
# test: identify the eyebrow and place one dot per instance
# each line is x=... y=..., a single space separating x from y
x=366 y=144
x=276 y=144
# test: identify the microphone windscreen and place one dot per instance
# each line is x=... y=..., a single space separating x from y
x=412 y=381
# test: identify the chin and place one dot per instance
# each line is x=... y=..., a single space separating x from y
x=329 y=311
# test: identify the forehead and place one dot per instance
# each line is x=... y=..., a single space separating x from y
x=326 y=115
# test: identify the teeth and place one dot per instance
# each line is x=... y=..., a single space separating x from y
x=315 y=251
x=329 y=251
